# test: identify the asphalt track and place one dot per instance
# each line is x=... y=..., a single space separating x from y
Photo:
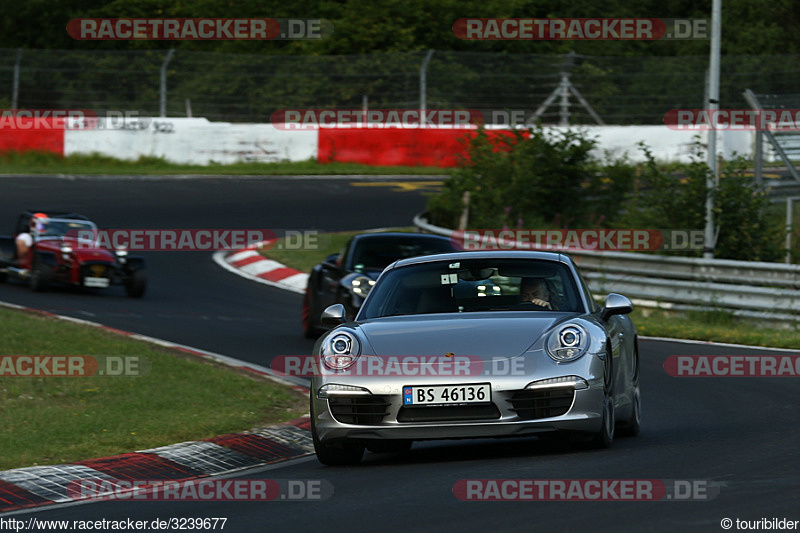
x=740 y=433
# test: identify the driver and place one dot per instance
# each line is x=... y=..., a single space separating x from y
x=538 y=292
x=24 y=240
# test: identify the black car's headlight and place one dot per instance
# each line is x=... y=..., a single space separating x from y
x=358 y=284
x=340 y=350
x=567 y=343
x=362 y=285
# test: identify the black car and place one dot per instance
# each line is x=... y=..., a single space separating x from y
x=347 y=277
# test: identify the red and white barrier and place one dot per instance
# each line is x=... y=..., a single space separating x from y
x=198 y=141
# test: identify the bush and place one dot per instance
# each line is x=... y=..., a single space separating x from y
x=540 y=180
x=747 y=229
x=528 y=178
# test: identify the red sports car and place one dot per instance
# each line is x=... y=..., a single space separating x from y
x=50 y=247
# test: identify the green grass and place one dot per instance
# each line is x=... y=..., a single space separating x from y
x=51 y=420
x=717 y=326
x=49 y=163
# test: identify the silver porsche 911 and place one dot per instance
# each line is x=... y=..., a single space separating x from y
x=475 y=344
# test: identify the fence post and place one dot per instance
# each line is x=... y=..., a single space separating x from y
x=423 y=80
x=15 y=86
x=163 y=92
x=712 y=182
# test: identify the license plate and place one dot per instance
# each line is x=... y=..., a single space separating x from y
x=95 y=282
x=447 y=395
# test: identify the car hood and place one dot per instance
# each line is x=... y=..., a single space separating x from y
x=80 y=251
x=486 y=335
x=93 y=254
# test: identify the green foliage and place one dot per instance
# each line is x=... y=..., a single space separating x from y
x=747 y=229
x=531 y=178
x=667 y=200
x=544 y=179
x=361 y=26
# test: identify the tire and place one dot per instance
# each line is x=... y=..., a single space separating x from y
x=339 y=453
x=389 y=446
x=310 y=330
x=41 y=276
x=137 y=284
x=632 y=426
x=604 y=437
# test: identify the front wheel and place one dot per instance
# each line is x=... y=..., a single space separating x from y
x=631 y=426
x=137 y=284
x=604 y=437
x=309 y=328
x=41 y=276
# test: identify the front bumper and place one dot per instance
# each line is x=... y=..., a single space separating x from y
x=513 y=411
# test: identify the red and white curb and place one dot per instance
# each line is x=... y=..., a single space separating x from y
x=35 y=486
x=23 y=488
x=250 y=264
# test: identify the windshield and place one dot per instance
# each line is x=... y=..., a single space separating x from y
x=56 y=228
x=474 y=285
x=377 y=253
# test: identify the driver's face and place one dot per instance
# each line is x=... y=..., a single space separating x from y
x=534 y=290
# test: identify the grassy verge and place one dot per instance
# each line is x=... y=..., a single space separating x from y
x=715 y=326
x=50 y=420
x=49 y=163
x=706 y=326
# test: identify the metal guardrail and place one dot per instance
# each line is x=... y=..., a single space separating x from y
x=757 y=290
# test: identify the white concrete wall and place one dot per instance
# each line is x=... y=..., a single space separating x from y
x=666 y=145
x=198 y=141
x=194 y=141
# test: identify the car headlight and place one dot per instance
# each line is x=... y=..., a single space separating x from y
x=361 y=285
x=567 y=343
x=66 y=249
x=340 y=350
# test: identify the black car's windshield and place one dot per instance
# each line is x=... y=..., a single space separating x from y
x=378 y=252
x=474 y=285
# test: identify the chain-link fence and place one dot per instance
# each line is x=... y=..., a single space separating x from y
x=248 y=88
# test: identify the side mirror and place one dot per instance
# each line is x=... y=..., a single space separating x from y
x=333 y=315
x=616 y=304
